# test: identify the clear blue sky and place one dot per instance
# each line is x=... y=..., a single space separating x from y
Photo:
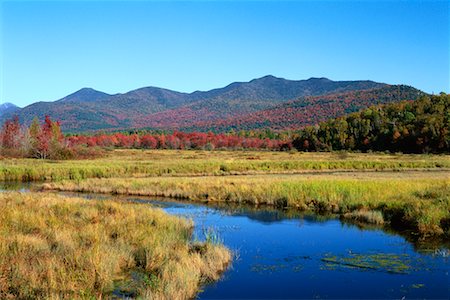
x=50 y=49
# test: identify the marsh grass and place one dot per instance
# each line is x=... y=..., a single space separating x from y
x=57 y=247
x=417 y=203
x=145 y=163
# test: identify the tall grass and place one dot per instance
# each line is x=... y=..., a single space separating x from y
x=419 y=203
x=139 y=163
x=55 y=247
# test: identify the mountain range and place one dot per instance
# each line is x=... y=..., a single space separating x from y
x=267 y=102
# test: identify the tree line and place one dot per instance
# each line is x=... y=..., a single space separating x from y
x=178 y=140
x=419 y=126
x=47 y=141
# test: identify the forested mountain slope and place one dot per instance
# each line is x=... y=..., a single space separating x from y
x=311 y=109
x=153 y=107
x=407 y=126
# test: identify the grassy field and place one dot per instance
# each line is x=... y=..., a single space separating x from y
x=416 y=200
x=55 y=247
x=58 y=247
x=140 y=163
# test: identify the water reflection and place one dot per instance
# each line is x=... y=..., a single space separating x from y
x=15 y=186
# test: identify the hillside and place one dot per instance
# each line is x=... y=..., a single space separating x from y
x=312 y=109
x=153 y=107
x=407 y=126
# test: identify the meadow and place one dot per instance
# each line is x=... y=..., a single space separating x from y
x=73 y=248
x=149 y=163
x=55 y=247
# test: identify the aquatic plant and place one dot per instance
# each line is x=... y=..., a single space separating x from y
x=212 y=236
x=383 y=262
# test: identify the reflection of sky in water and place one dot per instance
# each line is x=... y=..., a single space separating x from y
x=278 y=257
x=281 y=257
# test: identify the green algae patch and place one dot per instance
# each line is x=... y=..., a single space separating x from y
x=388 y=263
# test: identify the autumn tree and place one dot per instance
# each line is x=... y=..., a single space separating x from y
x=11 y=133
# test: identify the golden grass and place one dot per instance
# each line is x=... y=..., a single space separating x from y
x=420 y=201
x=57 y=247
x=144 y=163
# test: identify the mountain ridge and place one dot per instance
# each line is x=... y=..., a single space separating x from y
x=153 y=107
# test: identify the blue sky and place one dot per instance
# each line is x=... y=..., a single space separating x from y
x=51 y=49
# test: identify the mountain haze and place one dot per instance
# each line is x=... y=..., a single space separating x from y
x=159 y=108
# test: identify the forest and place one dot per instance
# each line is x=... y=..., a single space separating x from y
x=419 y=126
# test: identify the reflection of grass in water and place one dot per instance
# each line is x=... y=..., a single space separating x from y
x=270 y=268
x=389 y=263
x=294 y=258
x=284 y=263
x=261 y=268
x=297 y=268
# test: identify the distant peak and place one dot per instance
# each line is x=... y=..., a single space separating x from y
x=87 y=89
x=85 y=94
x=267 y=78
x=319 y=79
x=7 y=105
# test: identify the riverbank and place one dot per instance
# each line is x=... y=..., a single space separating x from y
x=172 y=163
x=419 y=201
x=53 y=247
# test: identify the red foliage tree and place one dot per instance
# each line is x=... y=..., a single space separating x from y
x=11 y=133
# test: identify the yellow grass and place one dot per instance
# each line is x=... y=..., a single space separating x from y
x=144 y=163
x=55 y=247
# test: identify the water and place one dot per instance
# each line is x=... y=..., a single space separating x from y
x=15 y=186
x=284 y=254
